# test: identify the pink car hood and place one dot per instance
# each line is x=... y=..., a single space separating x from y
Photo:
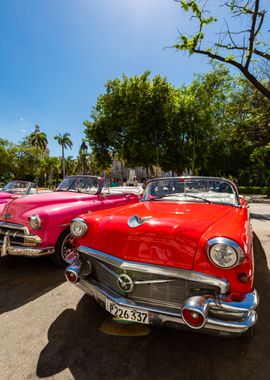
x=4 y=197
x=26 y=203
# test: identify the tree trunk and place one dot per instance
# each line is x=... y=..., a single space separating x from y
x=63 y=160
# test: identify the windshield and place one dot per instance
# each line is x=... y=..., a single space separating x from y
x=192 y=189
x=20 y=187
x=82 y=184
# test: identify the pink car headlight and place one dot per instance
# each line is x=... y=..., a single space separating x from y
x=35 y=221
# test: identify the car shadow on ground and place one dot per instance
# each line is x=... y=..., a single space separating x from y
x=260 y=217
x=23 y=279
x=75 y=342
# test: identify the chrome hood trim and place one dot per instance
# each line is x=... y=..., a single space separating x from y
x=136 y=221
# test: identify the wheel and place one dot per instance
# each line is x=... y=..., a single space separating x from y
x=65 y=248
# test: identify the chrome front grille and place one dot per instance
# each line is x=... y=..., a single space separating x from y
x=15 y=232
x=149 y=288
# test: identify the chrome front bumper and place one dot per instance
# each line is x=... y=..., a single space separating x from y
x=221 y=315
x=27 y=244
x=24 y=251
x=243 y=312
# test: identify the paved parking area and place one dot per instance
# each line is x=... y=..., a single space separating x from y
x=50 y=329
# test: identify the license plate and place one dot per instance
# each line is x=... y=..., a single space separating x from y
x=127 y=313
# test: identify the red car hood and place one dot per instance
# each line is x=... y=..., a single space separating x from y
x=20 y=205
x=170 y=237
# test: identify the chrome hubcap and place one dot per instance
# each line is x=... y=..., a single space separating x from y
x=68 y=247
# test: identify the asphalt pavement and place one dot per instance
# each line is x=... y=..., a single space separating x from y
x=50 y=330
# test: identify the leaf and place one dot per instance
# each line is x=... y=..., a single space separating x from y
x=229 y=58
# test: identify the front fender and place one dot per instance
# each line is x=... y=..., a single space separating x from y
x=235 y=226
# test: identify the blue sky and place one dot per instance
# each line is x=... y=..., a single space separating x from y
x=56 y=56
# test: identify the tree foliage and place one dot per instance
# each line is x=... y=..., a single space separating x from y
x=65 y=142
x=151 y=123
x=240 y=42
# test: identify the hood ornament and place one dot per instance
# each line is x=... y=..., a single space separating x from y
x=7 y=216
x=136 y=221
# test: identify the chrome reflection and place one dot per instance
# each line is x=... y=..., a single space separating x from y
x=136 y=221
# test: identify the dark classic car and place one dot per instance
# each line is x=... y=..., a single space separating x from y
x=182 y=257
x=39 y=225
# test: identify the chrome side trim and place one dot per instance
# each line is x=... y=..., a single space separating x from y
x=189 y=275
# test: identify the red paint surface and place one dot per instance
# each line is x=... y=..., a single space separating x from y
x=175 y=236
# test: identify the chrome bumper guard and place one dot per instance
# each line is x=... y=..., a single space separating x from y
x=7 y=249
x=24 y=248
x=243 y=311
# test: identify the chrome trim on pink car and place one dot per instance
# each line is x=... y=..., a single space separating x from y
x=25 y=251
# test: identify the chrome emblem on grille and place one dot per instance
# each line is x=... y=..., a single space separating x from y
x=125 y=283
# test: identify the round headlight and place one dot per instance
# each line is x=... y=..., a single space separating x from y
x=224 y=253
x=35 y=221
x=78 y=227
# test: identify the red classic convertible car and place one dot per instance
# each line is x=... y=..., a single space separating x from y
x=39 y=225
x=182 y=257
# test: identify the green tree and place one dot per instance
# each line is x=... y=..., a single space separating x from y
x=49 y=169
x=70 y=165
x=65 y=142
x=240 y=44
x=38 y=140
x=130 y=119
x=7 y=157
x=248 y=120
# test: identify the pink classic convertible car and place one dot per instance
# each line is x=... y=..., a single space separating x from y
x=39 y=225
x=17 y=187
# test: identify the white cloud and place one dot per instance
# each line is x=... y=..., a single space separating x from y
x=23 y=130
x=21 y=119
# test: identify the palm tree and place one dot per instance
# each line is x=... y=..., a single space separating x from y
x=70 y=165
x=65 y=142
x=48 y=167
x=38 y=140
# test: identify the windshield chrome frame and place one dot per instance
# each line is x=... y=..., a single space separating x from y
x=231 y=183
x=100 y=182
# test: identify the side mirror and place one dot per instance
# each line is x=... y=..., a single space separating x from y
x=106 y=189
x=245 y=200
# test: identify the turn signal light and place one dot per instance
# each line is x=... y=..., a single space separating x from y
x=244 y=278
x=193 y=318
x=71 y=276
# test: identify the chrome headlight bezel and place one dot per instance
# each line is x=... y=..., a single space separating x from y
x=78 y=227
x=233 y=249
x=35 y=221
